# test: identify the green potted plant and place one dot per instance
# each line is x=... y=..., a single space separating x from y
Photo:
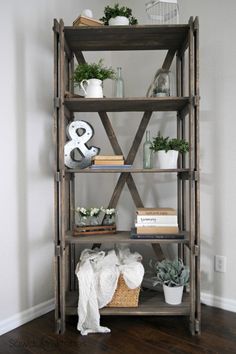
x=118 y=16
x=173 y=276
x=93 y=75
x=168 y=150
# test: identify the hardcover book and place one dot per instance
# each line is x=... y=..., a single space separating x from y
x=135 y=235
x=156 y=211
x=157 y=219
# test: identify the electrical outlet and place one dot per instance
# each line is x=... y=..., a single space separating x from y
x=220 y=264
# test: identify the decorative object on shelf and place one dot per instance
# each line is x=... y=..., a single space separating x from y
x=84 y=20
x=78 y=142
x=109 y=217
x=93 y=74
x=119 y=85
x=118 y=16
x=87 y=13
x=168 y=149
x=163 y=11
x=147 y=152
x=173 y=275
x=89 y=222
x=160 y=86
x=83 y=216
x=93 y=89
x=106 y=267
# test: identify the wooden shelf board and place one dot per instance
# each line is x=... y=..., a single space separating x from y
x=127 y=170
x=150 y=303
x=150 y=37
x=137 y=104
x=119 y=237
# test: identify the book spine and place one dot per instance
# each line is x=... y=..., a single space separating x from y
x=108 y=157
x=156 y=230
x=156 y=211
x=157 y=219
x=156 y=225
x=108 y=162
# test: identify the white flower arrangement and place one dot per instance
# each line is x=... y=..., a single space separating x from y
x=84 y=212
x=95 y=212
x=108 y=211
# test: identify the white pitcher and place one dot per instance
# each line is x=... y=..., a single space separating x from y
x=93 y=88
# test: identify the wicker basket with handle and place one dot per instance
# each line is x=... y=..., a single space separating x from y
x=124 y=296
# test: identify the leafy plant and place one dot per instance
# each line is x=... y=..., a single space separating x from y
x=92 y=71
x=170 y=273
x=112 y=12
x=161 y=143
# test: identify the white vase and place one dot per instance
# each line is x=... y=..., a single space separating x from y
x=167 y=159
x=93 y=88
x=173 y=295
x=118 y=21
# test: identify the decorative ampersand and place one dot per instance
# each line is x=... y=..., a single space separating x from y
x=79 y=142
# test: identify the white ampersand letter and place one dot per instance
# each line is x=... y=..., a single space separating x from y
x=79 y=142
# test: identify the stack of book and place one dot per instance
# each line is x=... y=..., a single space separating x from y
x=87 y=21
x=109 y=161
x=156 y=223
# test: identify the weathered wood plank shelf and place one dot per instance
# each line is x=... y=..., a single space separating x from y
x=126 y=37
x=150 y=303
x=142 y=104
x=128 y=170
x=120 y=237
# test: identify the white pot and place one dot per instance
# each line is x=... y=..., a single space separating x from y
x=118 y=21
x=93 y=88
x=173 y=295
x=167 y=159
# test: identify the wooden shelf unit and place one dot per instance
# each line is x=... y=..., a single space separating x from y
x=181 y=42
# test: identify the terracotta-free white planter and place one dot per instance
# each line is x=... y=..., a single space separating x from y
x=167 y=159
x=118 y=21
x=173 y=295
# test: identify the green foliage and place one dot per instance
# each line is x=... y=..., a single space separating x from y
x=170 y=273
x=92 y=71
x=161 y=143
x=111 y=12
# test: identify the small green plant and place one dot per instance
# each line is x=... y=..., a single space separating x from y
x=170 y=273
x=112 y=12
x=161 y=143
x=92 y=71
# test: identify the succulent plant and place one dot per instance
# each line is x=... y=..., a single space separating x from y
x=161 y=143
x=170 y=273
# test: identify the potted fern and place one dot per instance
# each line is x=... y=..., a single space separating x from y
x=168 y=150
x=118 y=16
x=173 y=276
x=92 y=75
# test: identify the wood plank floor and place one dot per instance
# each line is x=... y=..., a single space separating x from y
x=130 y=335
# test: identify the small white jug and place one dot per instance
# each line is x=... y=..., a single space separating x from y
x=93 y=89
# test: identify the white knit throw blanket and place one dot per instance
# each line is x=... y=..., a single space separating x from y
x=98 y=275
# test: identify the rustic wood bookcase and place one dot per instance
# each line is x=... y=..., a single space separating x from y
x=182 y=45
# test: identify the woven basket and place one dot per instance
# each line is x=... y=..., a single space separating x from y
x=124 y=296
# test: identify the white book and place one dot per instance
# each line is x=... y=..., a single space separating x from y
x=155 y=225
x=157 y=219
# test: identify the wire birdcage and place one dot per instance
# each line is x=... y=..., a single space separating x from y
x=163 y=11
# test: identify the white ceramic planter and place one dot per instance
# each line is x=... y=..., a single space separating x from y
x=93 y=89
x=173 y=295
x=167 y=159
x=119 y=21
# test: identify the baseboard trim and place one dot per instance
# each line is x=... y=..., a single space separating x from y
x=25 y=316
x=217 y=301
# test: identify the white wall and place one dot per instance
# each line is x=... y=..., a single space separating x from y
x=26 y=71
x=218 y=149
x=26 y=210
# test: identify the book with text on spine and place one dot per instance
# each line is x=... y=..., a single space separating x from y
x=157 y=219
x=156 y=211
